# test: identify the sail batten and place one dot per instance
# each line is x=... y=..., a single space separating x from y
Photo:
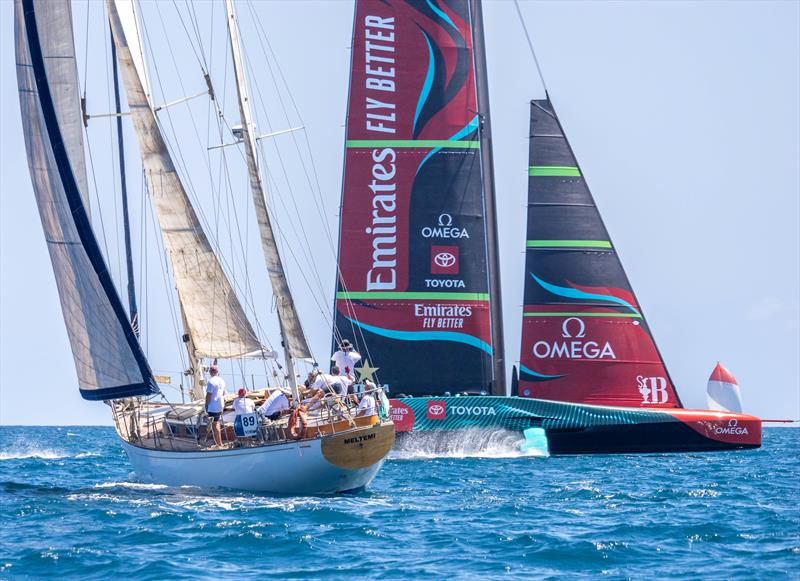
x=214 y=317
x=584 y=336
x=413 y=292
x=108 y=359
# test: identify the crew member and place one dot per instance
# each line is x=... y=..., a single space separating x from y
x=276 y=405
x=367 y=407
x=345 y=358
x=243 y=405
x=215 y=402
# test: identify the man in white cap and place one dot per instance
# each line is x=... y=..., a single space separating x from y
x=215 y=402
x=345 y=358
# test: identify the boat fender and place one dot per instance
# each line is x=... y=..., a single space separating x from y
x=299 y=413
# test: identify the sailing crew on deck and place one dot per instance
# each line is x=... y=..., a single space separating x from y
x=345 y=358
x=368 y=406
x=276 y=405
x=215 y=402
x=243 y=405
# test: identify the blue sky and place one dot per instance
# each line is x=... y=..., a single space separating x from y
x=684 y=117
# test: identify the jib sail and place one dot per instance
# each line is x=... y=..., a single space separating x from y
x=108 y=359
x=584 y=337
x=413 y=288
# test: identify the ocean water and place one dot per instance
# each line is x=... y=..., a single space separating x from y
x=70 y=508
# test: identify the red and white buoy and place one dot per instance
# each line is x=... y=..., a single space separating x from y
x=723 y=391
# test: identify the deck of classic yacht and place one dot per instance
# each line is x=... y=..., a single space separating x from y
x=185 y=427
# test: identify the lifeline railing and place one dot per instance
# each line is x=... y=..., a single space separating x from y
x=144 y=423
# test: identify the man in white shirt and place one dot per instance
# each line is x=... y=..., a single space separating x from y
x=345 y=358
x=333 y=383
x=276 y=404
x=215 y=402
x=243 y=405
x=367 y=407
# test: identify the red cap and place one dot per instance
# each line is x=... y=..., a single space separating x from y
x=242 y=392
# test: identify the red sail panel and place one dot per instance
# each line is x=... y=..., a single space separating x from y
x=584 y=337
x=413 y=283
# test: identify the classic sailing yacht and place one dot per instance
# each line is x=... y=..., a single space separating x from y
x=320 y=451
x=419 y=269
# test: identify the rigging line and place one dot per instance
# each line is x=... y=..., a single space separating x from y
x=85 y=50
x=220 y=119
x=530 y=46
x=231 y=208
x=142 y=236
x=191 y=42
x=306 y=248
x=204 y=223
x=109 y=54
x=192 y=13
x=170 y=295
x=177 y=153
x=96 y=191
x=263 y=37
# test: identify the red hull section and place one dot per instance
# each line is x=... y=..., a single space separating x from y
x=737 y=429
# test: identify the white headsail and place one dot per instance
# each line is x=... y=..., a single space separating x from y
x=291 y=329
x=723 y=391
x=215 y=319
x=108 y=359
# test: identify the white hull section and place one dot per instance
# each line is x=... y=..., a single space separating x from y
x=290 y=468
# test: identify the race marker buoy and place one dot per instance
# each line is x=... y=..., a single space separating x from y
x=723 y=391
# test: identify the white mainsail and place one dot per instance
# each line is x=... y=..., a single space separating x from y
x=291 y=329
x=108 y=359
x=215 y=319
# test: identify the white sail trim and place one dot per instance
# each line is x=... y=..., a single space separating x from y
x=109 y=363
x=291 y=328
x=215 y=319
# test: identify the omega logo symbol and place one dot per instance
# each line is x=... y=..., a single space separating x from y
x=581 y=328
x=445 y=220
x=733 y=423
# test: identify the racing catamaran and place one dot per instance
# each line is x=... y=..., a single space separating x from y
x=327 y=450
x=419 y=273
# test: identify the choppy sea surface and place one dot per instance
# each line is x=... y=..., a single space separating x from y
x=71 y=508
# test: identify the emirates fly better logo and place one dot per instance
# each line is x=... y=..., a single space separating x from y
x=444 y=259
x=437 y=409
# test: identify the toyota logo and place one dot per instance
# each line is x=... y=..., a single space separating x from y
x=436 y=410
x=444 y=259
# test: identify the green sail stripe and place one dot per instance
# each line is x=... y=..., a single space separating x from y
x=592 y=314
x=414 y=296
x=568 y=244
x=414 y=143
x=554 y=170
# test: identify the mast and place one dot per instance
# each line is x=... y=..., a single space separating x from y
x=132 y=310
x=487 y=167
x=292 y=336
